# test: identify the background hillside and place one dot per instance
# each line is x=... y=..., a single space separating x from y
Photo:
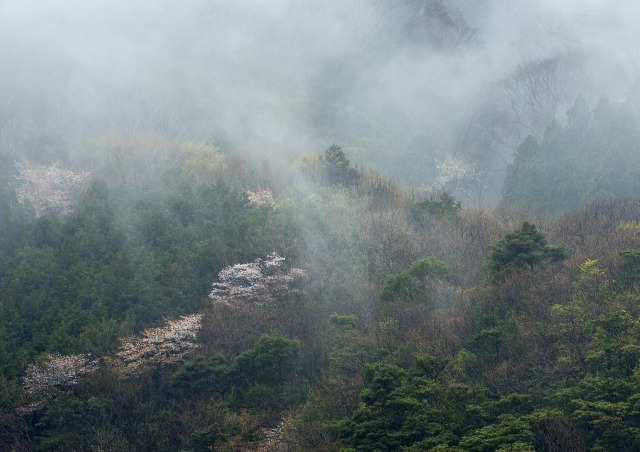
x=400 y=84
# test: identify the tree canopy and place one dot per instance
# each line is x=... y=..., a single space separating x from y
x=523 y=248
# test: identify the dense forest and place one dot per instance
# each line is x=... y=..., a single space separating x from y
x=195 y=262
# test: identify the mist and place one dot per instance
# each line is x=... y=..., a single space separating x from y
x=400 y=85
x=288 y=225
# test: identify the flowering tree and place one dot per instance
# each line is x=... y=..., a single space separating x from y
x=275 y=438
x=459 y=177
x=158 y=346
x=154 y=347
x=57 y=370
x=50 y=187
x=259 y=281
x=261 y=197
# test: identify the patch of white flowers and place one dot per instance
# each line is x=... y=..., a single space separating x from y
x=261 y=197
x=163 y=345
x=274 y=437
x=456 y=176
x=256 y=281
x=50 y=188
x=57 y=370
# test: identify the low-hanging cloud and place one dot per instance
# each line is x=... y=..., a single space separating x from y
x=387 y=79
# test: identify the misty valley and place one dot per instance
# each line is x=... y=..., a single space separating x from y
x=380 y=225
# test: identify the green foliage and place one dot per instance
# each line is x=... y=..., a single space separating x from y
x=349 y=346
x=263 y=375
x=522 y=181
x=73 y=274
x=203 y=161
x=65 y=410
x=523 y=248
x=272 y=361
x=410 y=297
x=122 y=260
x=210 y=438
x=508 y=434
x=14 y=431
x=443 y=206
x=410 y=284
x=316 y=424
x=15 y=219
x=608 y=409
x=630 y=267
x=369 y=359
x=410 y=409
x=337 y=169
x=203 y=376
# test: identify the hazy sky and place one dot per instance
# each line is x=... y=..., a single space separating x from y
x=268 y=73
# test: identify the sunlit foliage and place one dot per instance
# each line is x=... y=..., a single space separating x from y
x=202 y=160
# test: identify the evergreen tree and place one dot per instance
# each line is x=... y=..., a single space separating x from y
x=523 y=248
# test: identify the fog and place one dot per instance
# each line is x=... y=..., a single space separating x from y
x=399 y=84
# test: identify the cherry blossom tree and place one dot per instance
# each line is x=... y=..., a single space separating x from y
x=275 y=438
x=154 y=347
x=50 y=188
x=261 y=197
x=159 y=346
x=461 y=178
x=57 y=370
x=259 y=281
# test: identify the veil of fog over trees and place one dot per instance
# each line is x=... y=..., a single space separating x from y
x=341 y=225
x=401 y=85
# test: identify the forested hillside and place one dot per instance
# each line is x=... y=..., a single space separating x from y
x=357 y=226
x=342 y=312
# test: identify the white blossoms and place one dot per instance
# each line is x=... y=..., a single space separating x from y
x=50 y=188
x=457 y=176
x=158 y=346
x=261 y=197
x=57 y=370
x=259 y=281
x=256 y=281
